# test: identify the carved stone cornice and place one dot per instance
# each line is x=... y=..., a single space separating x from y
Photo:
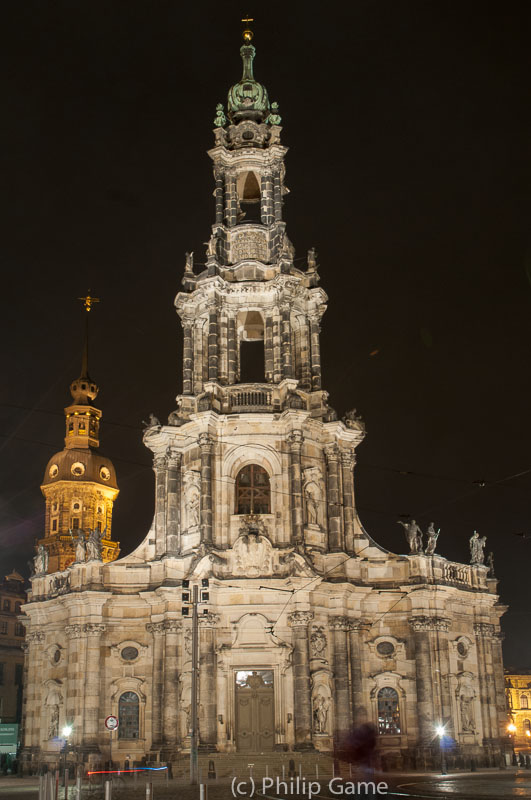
x=486 y=629
x=300 y=619
x=360 y=625
x=205 y=442
x=339 y=623
x=35 y=637
x=74 y=631
x=93 y=628
x=209 y=620
x=425 y=623
x=156 y=628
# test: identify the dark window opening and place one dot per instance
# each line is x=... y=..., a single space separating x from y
x=128 y=716
x=75 y=523
x=7 y=605
x=250 y=199
x=252 y=362
x=54 y=524
x=253 y=492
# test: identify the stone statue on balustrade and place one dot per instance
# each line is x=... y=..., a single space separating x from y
x=81 y=548
x=94 y=545
x=432 y=535
x=413 y=536
x=40 y=560
x=477 y=547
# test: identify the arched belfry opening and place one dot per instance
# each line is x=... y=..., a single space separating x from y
x=249 y=197
x=251 y=340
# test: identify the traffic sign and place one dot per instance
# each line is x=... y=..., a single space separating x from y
x=111 y=722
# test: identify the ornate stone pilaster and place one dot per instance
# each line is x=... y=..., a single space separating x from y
x=359 y=708
x=207 y=681
x=170 y=732
x=485 y=632
x=219 y=198
x=285 y=342
x=305 y=358
x=157 y=630
x=277 y=196
x=232 y=355
x=267 y=210
x=499 y=682
x=206 y=446
x=173 y=502
x=160 y=466
x=426 y=675
x=92 y=731
x=75 y=682
x=299 y=621
x=231 y=199
x=188 y=357
x=334 y=507
x=33 y=688
x=343 y=720
x=295 y=440
x=213 y=334
x=268 y=350
x=315 y=349
x=348 y=460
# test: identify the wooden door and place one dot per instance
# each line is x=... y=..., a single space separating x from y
x=255 y=711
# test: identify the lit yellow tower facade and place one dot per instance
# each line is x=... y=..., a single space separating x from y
x=79 y=484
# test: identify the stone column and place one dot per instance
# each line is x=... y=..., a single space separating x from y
x=157 y=630
x=334 y=507
x=484 y=631
x=34 y=702
x=188 y=357
x=287 y=361
x=268 y=349
x=499 y=683
x=267 y=206
x=231 y=200
x=277 y=195
x=207 y=682
x=305 y=356
x=343 y=718
x=302 y=705
x=206 y=446
x=232 y=350
x=315 y=330
x=348 y=459
x=277 y=349
x=160 y=466
x=295 y=440
x=173 y=505
x=359 y=709
x=427 y=679
x=170 y=732
x=92 y=726
x=223 y=349
x=213 y=344
x=75 y=681
x=219 y=198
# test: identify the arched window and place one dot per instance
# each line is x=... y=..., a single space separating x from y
x=253 y=493
x=527 y=725
x=388 y=711
x=128 y=716
x=524 y=701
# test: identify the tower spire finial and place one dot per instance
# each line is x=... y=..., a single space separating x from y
x=247 y=32
x=88 y=301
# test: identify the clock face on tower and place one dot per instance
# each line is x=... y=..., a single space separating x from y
x=53 y=471
x=105 y=473
x=77 y=468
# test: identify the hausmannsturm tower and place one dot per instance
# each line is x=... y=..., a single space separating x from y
x=308 y=627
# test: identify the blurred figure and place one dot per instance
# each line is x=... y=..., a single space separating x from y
x=358 y=746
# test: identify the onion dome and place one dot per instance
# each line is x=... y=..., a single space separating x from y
x=248 y=99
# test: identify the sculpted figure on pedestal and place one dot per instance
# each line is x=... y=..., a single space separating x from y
x=413 y=536
x=477 y=546
x=432 y=535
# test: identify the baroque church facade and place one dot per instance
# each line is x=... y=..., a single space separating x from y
x=307 y=626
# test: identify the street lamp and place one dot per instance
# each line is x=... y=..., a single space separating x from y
x=67 y=730
x=511 y=730
x=439 y=730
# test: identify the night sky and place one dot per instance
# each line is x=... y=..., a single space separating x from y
x=408 y=124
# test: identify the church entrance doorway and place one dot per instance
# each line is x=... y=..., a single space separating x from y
x=255 y=711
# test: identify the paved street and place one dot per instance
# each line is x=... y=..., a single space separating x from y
x=485 y=785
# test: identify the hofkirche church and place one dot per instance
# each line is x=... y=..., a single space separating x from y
x=310 y=626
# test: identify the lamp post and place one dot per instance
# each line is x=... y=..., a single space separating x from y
x=511 y=730
x=194 y=600
x=439 y=730
x=67 y=730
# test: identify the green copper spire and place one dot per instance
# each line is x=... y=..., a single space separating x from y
x=248 y=99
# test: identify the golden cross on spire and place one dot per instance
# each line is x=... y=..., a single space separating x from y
x=89 y=300
x=247 y=32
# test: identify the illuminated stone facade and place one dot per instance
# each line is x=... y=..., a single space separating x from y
x=308 y=621
x=518 y=693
